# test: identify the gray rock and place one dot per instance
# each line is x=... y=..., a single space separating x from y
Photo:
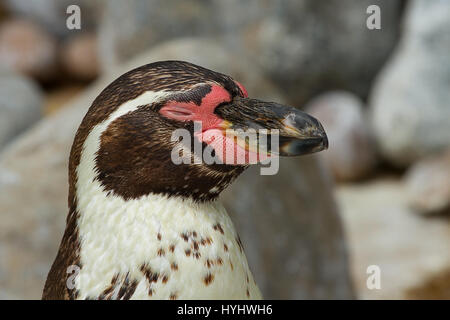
x=291 y=231
x=27 y=48
x=213 y=56
x=20 y=105
x=313 y=263
x=305 y=46
x=351 y=154
x=410 y=101
x=79 y=57
x=147 y=23
x=412 y=252
x=428 y=184
x=33 y=198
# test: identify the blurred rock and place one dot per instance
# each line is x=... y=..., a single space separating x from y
x=3 y=12
x=351 y=152
x=145 y=24
x=27 y=48
x=33 y=202
x=306 y=46
x=52 y=13
x=313 y=264
x=215 y=56
x=20 y=105
x=411 y=115
x=290 y=228
x=428 y=184
x=411 y=251
x=79 y=57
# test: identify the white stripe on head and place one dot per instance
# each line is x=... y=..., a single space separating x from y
x=86 y=168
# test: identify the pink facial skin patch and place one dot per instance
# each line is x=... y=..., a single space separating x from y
x=212 y=127
x=204 y=113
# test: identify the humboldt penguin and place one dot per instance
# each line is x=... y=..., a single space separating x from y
x=143 y=226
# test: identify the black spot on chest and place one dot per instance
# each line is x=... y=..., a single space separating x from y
x=122 y=287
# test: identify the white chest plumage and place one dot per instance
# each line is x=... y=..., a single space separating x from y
x=160 y=247
x=192 y=249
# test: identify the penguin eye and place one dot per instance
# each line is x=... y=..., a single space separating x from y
x=177 y=112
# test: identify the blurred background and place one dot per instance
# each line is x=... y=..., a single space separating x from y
x=380 y=196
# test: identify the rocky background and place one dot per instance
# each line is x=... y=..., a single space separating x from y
x=379 y=196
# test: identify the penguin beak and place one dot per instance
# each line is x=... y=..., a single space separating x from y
x=298 y=133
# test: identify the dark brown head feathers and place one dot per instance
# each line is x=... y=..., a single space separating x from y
x=134 y=156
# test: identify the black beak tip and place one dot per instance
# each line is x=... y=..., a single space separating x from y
x=323 y=135
x=325 y=141
x=314 y=137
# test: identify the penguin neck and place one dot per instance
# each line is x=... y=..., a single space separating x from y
x=177 y=239
x=107 y=221
x=136 y=229
x=155 y=231
x=102 y=214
